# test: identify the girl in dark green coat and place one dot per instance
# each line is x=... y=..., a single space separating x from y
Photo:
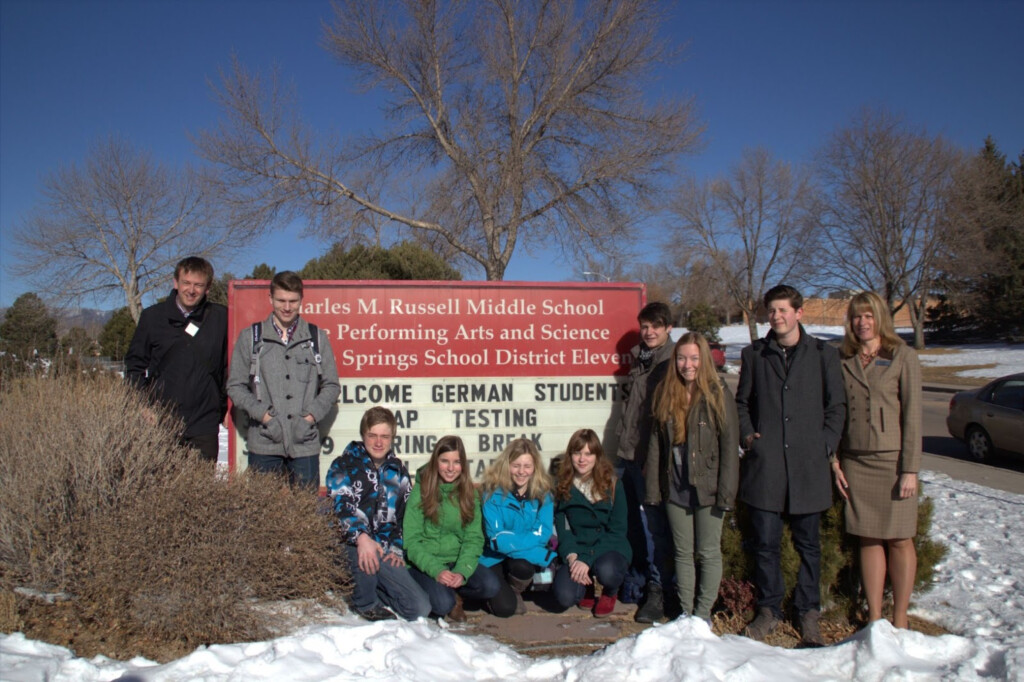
x=443 y=533
x=590 y=519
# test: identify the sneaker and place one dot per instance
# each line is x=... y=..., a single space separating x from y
x=457 y=614
x=604 y=606
x=653 y=608
x=587 y=603
x=810 y=632
x=377 y=612
x=763 y=625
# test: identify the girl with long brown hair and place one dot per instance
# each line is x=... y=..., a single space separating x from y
x=590 y=519
x=443 y=534
x=693 y=468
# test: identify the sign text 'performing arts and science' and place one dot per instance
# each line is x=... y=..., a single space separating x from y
x=487 y=361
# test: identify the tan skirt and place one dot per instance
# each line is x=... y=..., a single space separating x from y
x=875 y=509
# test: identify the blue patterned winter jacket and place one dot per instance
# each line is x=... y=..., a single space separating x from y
x=367 y=499
x=517 y=529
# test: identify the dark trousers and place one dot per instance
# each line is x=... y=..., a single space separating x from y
x=482 y=585
x=503 y=604
x=207 y=444
x=768 y=565
x=649 y=533
x=301 y=471
x=609 y=569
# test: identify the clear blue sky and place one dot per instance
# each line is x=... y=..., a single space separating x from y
x=780 y=74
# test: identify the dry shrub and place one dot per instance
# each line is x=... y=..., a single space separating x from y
x=99 y=501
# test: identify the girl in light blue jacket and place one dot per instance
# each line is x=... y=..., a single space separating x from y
x=518 y=513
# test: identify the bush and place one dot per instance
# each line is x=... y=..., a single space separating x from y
x=100 y=502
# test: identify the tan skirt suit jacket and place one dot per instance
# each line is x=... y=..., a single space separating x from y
x=882 y=440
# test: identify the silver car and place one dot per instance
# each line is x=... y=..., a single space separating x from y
x=991 y=418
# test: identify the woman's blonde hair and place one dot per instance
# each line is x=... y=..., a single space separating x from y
x=430 y=481
x=603 y=475
x=672 y=400
x=499 y=474
x=869 y=301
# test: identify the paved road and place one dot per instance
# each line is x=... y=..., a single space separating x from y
x=944 y=453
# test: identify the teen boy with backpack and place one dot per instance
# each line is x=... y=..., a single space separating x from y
x=284 y=378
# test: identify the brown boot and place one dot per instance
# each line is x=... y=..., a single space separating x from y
x=457 y=614
x=763 y=625
x=519 y=585
x=810 y=631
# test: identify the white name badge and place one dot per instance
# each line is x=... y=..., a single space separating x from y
x=191 y=329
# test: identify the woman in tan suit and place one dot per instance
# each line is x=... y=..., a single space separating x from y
x=880 y=451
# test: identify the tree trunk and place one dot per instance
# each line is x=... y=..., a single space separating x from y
x=751 y=318
x=917 y=322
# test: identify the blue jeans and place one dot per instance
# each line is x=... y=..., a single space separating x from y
x=391 y=586
x=649 y=533
x=767 y=560
x=609 y=569
x=482 y=585
x=301 y=471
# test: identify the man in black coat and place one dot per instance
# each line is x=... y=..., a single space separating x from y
x=179 y=355
x=792 y=407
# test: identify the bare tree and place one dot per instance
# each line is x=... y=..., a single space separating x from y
x=117 y=224
x=755 y=225
x=886 y=187
x=685 y=280
x=515 y=124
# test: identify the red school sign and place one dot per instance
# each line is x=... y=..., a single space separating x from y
x=488 y=361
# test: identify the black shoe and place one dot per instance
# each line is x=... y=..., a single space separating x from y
x=653 y=608
x=377 y=612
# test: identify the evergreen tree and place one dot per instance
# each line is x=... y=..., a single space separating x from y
x=262 y=271
x=703 y=320
x=403 y=261
x=77 y=342
x=28 y=328
x=983 y=278
x=218 y=292
x=117 y=334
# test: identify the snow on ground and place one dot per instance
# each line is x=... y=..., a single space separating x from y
x=1006 y=359
x=978 y=594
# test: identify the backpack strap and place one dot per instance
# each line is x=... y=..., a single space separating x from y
x=314 y=345
x=254 y=359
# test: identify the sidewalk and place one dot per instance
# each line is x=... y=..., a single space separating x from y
x=540 y=632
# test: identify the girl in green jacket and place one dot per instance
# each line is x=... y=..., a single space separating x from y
x=590 y=519
x=443 y=533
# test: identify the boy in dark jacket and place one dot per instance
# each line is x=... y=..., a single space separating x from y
x=648 y=526
x=370 y=486
x=792 y=406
